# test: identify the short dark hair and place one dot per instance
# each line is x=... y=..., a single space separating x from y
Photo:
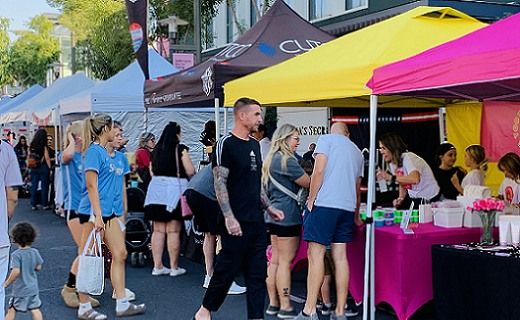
x=244 y=102
x=23 y=234
x=117 y=124
x=262 y=128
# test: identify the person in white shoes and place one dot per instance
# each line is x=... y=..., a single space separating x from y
x=202 y=200
x=171 y=168
x=100 y=209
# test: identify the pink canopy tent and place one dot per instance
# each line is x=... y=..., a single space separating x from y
x=482 y=65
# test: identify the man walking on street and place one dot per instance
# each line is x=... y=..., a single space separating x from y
x=237 y=168
x=9 y=177
x=332 y=209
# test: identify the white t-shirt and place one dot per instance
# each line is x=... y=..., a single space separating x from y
x=508 y=190
x=427 y=188
x=344 y=167
x=265 y=145
x=10 y=176
x=474 y=178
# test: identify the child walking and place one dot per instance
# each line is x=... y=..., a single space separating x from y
x=25 y=262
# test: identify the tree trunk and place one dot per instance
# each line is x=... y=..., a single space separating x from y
x=240 y=28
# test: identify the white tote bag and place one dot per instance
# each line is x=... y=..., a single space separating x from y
x=91 y=269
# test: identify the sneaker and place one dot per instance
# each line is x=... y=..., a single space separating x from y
x=91 y=314
x=326 y=309
x=300 y=316
x=333 y=316
x=160 y=272
x=133 y=309
x=207 y=280
x=34 y=208
x=236 y=289
x=70 y=297
x=130 y=295
x=177 y=272
x=272 y=310
x=351 y=310
x=287 y=314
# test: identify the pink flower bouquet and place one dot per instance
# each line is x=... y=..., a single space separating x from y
x=487 y=209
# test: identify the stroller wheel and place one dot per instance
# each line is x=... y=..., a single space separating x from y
x=141 y=259
x=133 y=259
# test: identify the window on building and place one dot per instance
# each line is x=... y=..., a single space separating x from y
x=354 y=4
x=257 y=7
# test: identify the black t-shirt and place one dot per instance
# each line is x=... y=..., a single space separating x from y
x=244 y=161
x=169 y=169
x=443 y=178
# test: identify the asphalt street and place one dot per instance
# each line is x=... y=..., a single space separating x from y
x=166 y=297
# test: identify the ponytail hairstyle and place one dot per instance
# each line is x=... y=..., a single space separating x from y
x=510 y=162
x=93 y=127
x=395 y=144
x=280 y=144
x=76 y=128
x=478 y=154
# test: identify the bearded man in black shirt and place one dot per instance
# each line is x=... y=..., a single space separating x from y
x=237 y=167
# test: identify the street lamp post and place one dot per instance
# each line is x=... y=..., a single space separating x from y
x=53 y=72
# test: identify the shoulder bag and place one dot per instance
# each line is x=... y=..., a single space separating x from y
x=300 y=197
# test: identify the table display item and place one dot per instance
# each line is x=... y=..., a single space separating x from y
x=448 y=217
x=487 y=209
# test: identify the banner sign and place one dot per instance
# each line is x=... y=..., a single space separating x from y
x=500 y=130
x=137 y=16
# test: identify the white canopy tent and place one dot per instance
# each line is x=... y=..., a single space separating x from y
x=39 y=109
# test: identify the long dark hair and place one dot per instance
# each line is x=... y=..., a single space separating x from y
x=20 y=146
x=395 y=144
x=39 y=142
x=163 y=154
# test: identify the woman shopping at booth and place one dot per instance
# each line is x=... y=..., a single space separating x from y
x=410 y=171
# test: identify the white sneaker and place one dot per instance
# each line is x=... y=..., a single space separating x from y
x=160 y=272
x=130 y=295
x=236 y=289
x=207 y=280
x=177 y=272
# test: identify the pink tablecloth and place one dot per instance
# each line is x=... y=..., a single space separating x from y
x=403 y=264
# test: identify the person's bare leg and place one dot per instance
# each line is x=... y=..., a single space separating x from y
x=115 y=240
x=36 y=314
x=325 y=290
x=203 y=314
x=316 y=254
x=11 y=314
x=209 y=247
x=271 y=273
x=173 y=231
x=339 y=255
x=158 y=239
x=287 y=247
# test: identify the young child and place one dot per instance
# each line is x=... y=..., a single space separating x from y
x=24 y=263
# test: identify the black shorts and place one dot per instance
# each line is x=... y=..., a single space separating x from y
x=84 y=218
x=206 y=212
x=284 y=231
x=71 y=214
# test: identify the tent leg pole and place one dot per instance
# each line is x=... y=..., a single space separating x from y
x=225 y=120
x=442 y=124
x=217 y=118
x=145 y=119
x=369 y=242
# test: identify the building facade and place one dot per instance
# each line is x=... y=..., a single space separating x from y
x=338 y=17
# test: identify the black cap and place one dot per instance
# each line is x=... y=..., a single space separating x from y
x=444 y=147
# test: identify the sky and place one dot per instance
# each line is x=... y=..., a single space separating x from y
x=20 y=12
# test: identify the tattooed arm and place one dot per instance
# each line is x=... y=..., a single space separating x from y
x=266 y=204
x=221 y=175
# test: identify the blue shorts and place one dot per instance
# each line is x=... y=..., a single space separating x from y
x=328 y=225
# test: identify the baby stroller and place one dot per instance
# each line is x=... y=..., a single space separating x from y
x=138 y=231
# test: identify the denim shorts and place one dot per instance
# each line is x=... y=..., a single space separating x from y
x=328 y=225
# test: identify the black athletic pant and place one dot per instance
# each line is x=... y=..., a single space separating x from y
x=247 y=254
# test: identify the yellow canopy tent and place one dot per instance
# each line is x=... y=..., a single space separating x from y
x=339 y=69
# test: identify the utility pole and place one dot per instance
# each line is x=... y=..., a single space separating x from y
x=197 y=27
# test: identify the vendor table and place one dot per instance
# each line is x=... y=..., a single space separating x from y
x=403 y=263
x=475 y=285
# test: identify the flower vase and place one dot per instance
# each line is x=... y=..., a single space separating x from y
x=488 y=221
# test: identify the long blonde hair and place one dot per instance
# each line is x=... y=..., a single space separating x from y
x=279 y=144
x=478 y=154
x=93 y=127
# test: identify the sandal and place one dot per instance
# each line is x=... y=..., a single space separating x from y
x=133 y=309
x=92 y=315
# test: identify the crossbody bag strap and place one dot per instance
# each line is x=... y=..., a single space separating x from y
x=282 y=188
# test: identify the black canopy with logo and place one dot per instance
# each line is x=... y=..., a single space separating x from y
x=279 y=35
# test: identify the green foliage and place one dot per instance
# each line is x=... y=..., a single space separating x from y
x=5 y=75
x=32 y=52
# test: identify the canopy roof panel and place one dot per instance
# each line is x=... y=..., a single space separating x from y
x=482 y=65
x=279 y=35
x=340 y=68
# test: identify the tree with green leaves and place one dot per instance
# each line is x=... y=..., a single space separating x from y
x=5 y=75
x=33 y=51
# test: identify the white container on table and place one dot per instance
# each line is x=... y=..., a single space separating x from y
x=448 y=217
